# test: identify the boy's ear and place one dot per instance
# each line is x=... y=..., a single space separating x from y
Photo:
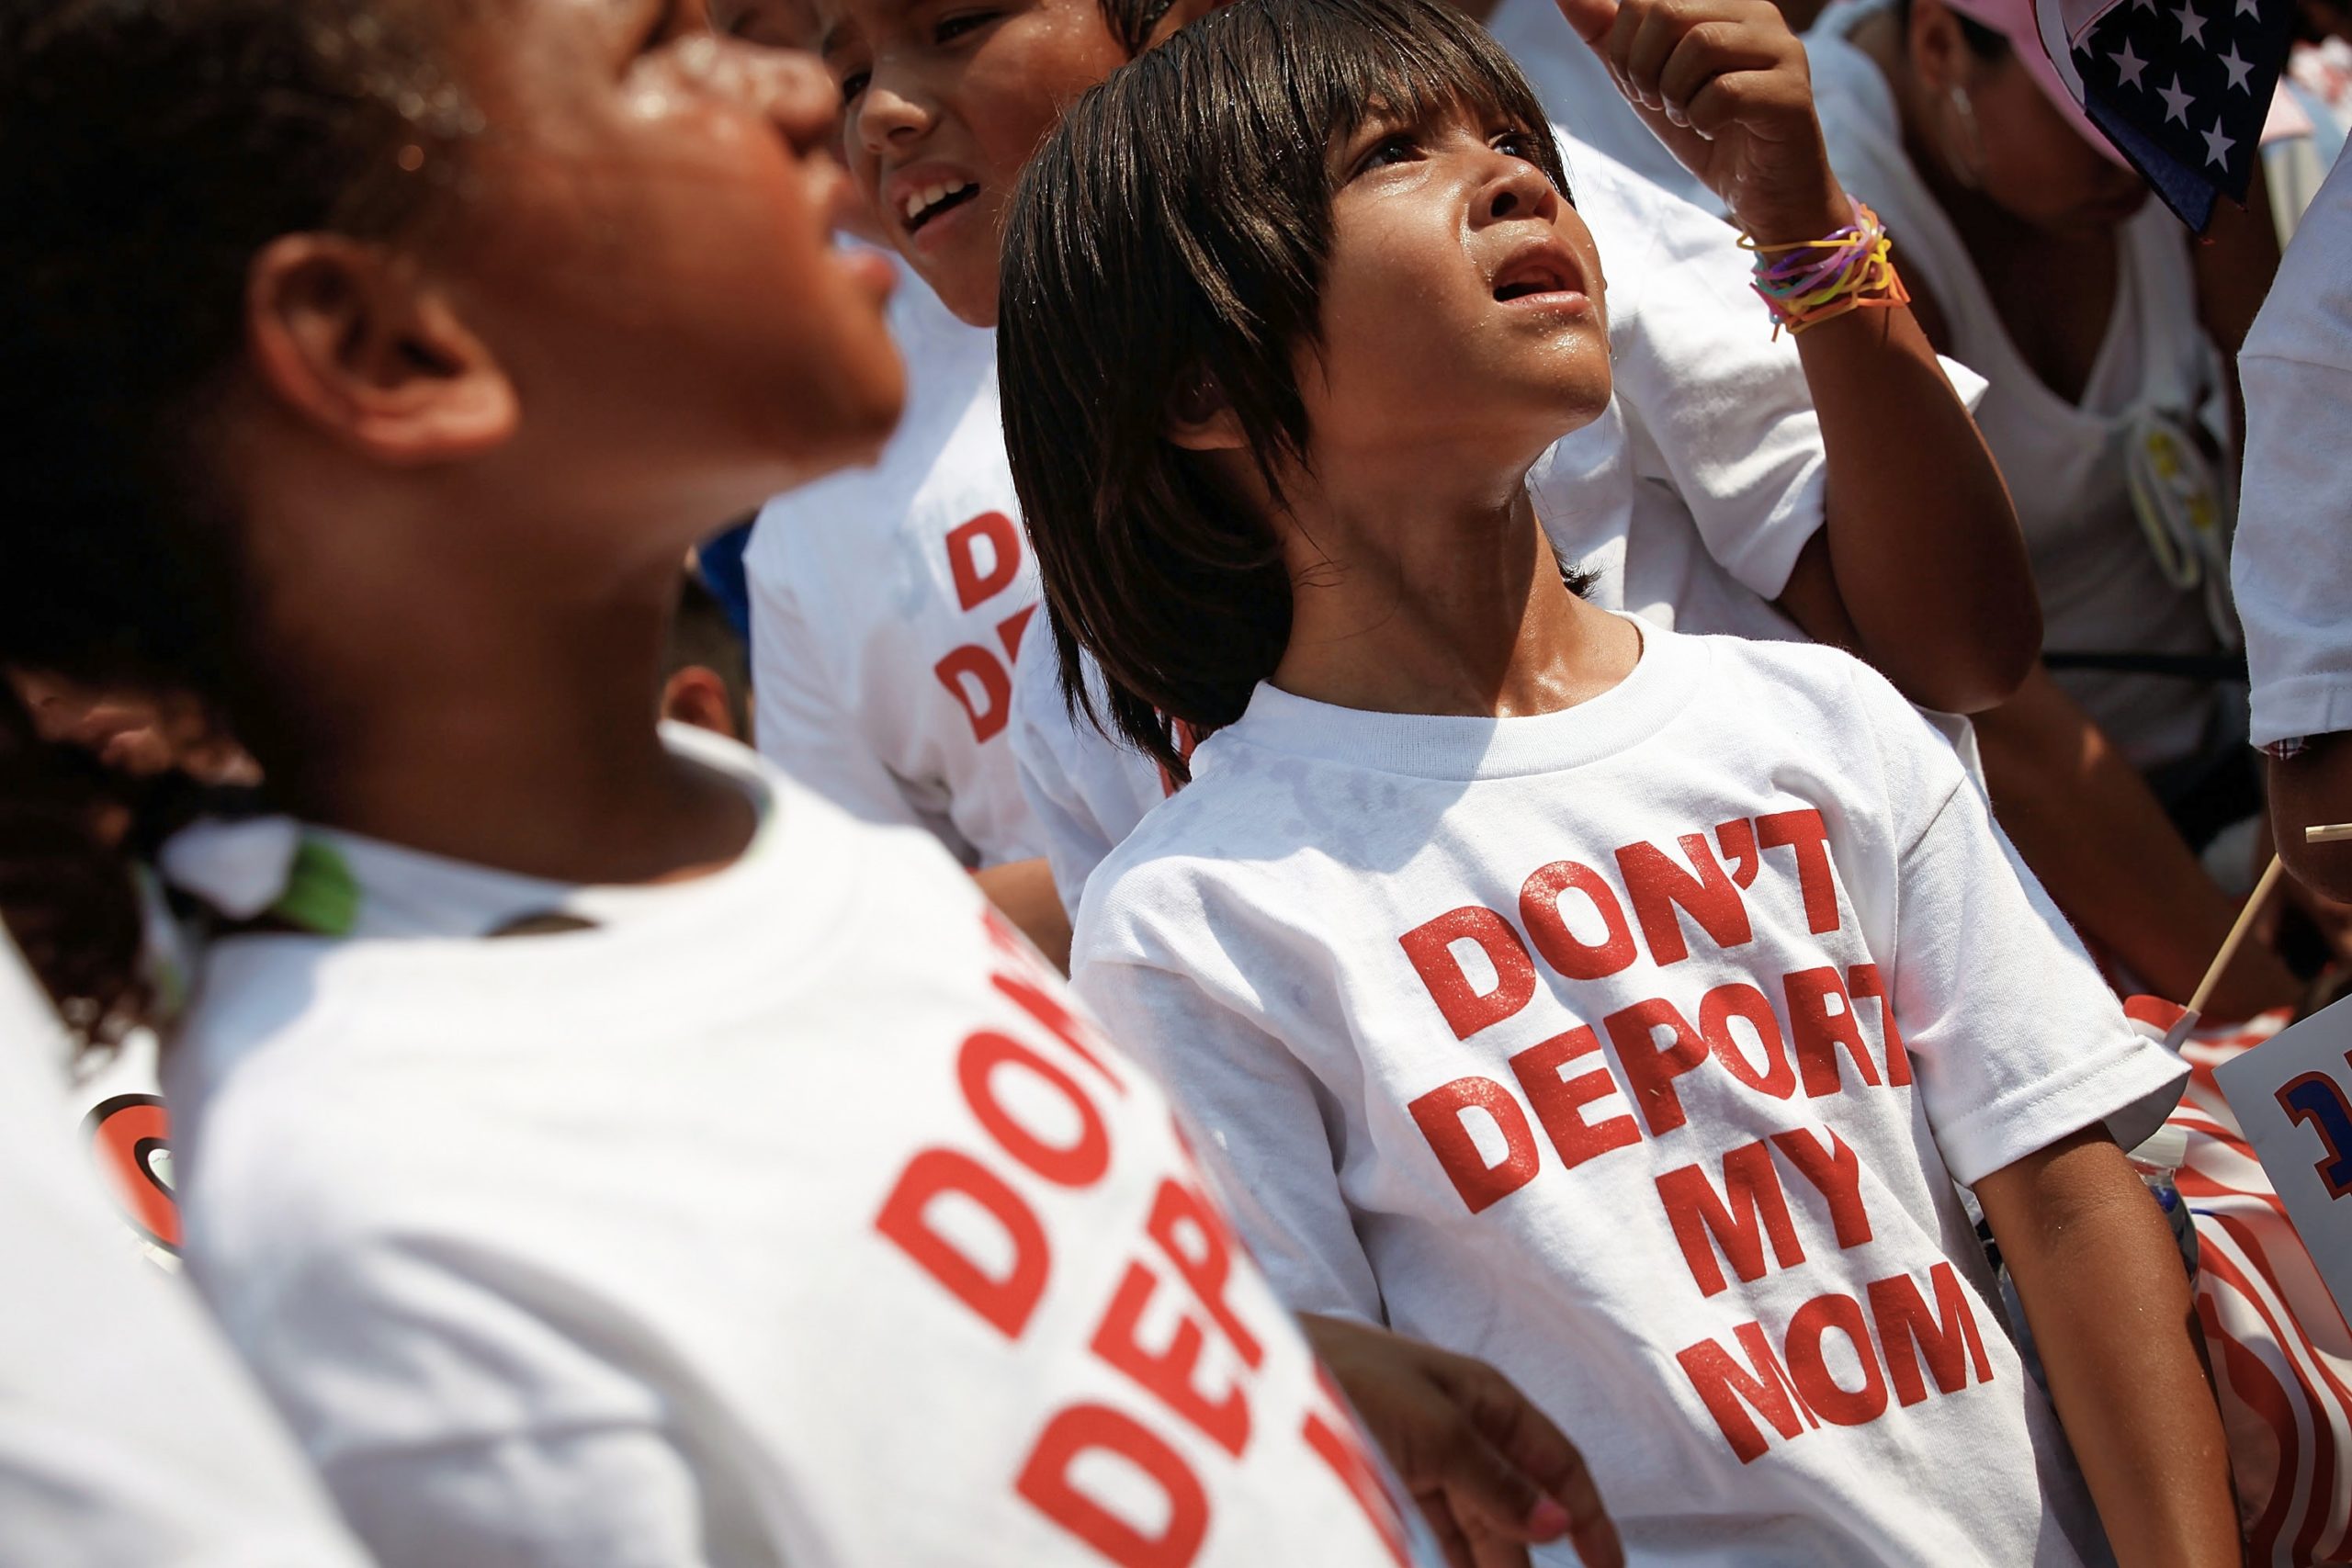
x=1200 y=420
x=348 y=338
x=697 y=695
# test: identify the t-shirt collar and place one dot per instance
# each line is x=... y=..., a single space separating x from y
x=325 y=882
x=1465 y=749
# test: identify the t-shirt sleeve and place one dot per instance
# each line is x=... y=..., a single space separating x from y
x=800 y=722
x=2290 y=569
x=1730 y=418
x=452 y=1424
x=1075 y=840
x=2015 y=1040
x=1085 y=792
x=1258 y=1124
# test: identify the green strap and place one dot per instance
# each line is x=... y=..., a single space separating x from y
x=322 y=895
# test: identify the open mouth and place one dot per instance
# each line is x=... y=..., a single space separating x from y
x=1535 y=271
x=921 y=206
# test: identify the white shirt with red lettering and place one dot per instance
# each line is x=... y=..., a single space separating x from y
x=887 y=605
x=1635 y=1048
x=786 y=1214
x=128 y=1432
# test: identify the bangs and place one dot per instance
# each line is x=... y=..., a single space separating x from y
x=1346 y=65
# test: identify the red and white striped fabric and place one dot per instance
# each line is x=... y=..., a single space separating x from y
x=2282 y=1354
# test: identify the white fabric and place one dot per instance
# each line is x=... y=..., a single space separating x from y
x=1574 y=88
x=2291 y=567
x=1085 y=790
x=1688 y=501
x=1352 y=923
x=128 y=1433
x=614 y=1246
x=888 y=605
x=2101 y=588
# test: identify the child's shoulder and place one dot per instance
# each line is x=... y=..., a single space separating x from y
x=1804 y=675
x=1822 y=710
x=1229 y=836
x=1207 y=827
x=283 y=1156
x=1850 y=728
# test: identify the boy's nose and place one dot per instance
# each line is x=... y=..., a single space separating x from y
x=886 y=115
x=1518 y=189
x=797 y=96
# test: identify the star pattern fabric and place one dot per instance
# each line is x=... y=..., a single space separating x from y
x=2181 y=86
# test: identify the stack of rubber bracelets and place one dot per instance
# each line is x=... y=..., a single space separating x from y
x=1814 y=281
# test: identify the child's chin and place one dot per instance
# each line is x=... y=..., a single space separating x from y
x=849 y=430
x=965 y=284
x=1574 y=397
x=871 y=410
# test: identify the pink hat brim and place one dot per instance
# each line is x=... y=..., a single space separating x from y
x=2013 y=21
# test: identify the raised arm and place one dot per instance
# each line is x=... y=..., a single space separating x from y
x=1921 y=569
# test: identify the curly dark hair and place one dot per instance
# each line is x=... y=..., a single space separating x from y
x=149 y=148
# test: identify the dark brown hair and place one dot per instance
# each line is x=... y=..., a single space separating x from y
x=148 y=150
x=1176 y=227
x=1131 y=21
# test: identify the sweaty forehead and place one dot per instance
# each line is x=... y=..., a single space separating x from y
x=775 y=24
x=834 y=25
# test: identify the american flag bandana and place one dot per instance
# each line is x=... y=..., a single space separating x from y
x=2181 y=86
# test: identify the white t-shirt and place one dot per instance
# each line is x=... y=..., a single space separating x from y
x=2102 y=589
x=887 y=605
x=786 y=1214
x=1592 y=1012
x=1688 y=501
x=2292 y=566
x=128 y=1433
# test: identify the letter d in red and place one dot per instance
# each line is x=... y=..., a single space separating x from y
x=911 y=1218
x=1442 y=1114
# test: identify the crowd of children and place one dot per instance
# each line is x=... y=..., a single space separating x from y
x=1465 y=717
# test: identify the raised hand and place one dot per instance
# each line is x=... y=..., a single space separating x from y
x=1725 y=86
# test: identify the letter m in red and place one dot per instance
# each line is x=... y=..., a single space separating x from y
x=1945 y=1339
x=1730 y=1391
x=1750 y=1208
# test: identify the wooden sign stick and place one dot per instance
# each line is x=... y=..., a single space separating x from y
x=2236 y=939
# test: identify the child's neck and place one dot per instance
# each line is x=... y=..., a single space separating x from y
x=508 y=727
x=1429 y=604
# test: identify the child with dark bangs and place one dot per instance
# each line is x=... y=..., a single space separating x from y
x=1618 y=1005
